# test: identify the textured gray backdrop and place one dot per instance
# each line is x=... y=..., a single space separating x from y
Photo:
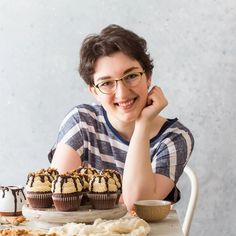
x=193 y=44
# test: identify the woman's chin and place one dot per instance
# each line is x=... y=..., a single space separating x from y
x=129 y=118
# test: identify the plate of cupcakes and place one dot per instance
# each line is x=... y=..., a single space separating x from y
x=79 y=196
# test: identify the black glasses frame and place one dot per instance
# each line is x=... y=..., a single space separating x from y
x=116 y=80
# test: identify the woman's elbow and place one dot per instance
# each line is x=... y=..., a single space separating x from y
x=129 y=200
x=129 y=205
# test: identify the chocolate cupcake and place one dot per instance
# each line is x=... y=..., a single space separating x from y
x=67 y=192
x=117 y=177
x=102 y=192
x=38 y=190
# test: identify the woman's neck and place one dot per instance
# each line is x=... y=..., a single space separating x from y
x=123 y=128
x=126 y=129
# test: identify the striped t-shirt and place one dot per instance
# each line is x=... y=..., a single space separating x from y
x=87 y=130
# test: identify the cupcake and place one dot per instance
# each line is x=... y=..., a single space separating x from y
x=51 y=171
x=67 y=192
x=90 y=171
x=117 y=177
x=102 y=192
x=38 y=190
x=85 y=178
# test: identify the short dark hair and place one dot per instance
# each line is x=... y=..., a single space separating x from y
x=112 y=39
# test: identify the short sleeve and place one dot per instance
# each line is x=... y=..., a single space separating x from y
x=70 y=133
x=172 y=154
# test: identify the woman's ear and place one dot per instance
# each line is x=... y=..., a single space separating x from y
x=149 y=80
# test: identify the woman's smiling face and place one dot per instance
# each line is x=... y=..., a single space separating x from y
x=125 y=104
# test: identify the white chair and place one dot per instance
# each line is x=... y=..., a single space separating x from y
x=192 y=200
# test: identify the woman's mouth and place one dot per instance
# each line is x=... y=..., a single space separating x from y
x=126 y=104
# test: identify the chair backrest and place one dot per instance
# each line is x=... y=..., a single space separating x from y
x=192 y=200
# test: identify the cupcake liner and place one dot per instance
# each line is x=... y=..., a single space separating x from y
x=39 y=199
x=67 y=201
x=103 y=201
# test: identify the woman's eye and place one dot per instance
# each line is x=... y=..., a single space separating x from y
x=106 y=84
x=131 y=76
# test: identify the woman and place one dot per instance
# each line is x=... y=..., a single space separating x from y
x=124 y=131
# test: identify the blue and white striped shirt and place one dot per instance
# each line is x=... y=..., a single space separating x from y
x=88 y=131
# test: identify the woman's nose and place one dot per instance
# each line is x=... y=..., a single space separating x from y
x=121 y=89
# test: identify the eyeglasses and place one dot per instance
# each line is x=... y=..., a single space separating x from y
x=130 y=80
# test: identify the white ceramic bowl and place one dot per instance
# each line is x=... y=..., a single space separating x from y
x=152 y=210
x=12 y=198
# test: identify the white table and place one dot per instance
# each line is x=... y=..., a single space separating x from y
x=170 y=226
x=167 y=227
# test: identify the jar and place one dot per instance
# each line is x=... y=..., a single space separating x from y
x=12 y=198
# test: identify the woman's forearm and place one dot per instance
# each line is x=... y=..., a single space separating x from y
x=138 y=177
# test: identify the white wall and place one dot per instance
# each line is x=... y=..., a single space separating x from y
x=193 y=44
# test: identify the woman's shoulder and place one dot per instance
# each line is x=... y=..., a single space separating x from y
x=177 y=126
x=173 y=129
x=86 y=109
x=88 y=113
x=178 y=132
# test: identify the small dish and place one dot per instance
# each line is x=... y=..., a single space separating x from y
x=152 y=210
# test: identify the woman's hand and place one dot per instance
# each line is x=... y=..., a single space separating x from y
x=156 y=102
